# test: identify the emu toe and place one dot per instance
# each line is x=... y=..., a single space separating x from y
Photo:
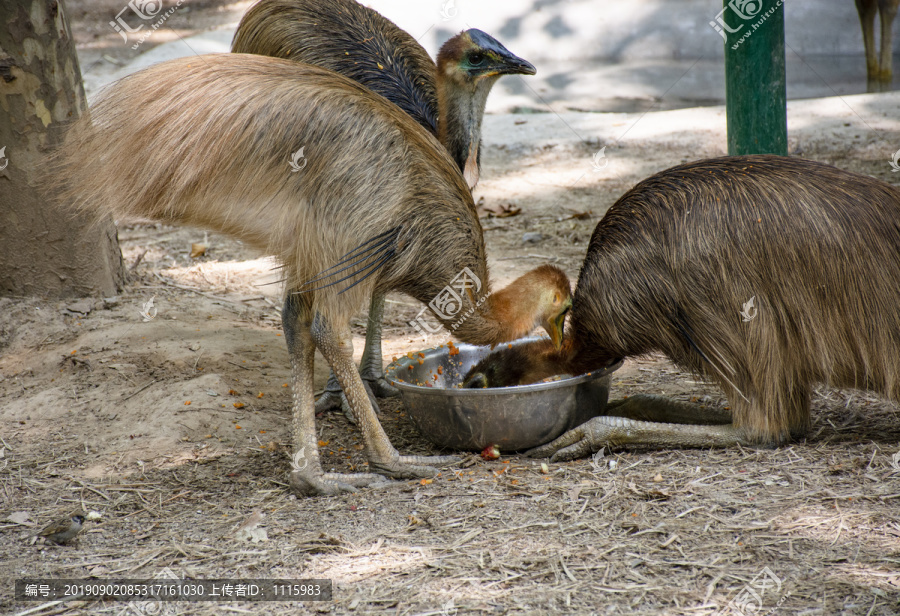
x=411 y=467
x=380 y=387
x=616 y=432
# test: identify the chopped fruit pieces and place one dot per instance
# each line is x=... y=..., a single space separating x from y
x=491 y=452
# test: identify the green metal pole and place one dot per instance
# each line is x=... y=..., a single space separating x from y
x=755 y=95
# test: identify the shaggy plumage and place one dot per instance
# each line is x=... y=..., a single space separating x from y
x=347 y=38
x=208 y=141
x=359 y=43
x=672 y=264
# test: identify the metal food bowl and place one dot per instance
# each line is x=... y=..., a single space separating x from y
x=512 y=418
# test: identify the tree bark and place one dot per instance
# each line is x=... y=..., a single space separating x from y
x=44 y=250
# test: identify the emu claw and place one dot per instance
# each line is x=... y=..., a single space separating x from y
x=579 y=442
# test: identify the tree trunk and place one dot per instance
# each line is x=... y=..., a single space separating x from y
x=44 y=250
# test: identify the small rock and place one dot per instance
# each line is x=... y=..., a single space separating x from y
x=19 y=517
x=110 y=302
x=532 y=237
x=80 y=307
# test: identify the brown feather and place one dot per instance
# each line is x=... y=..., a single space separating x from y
x=211 y=148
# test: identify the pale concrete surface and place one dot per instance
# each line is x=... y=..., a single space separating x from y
x=594 y=55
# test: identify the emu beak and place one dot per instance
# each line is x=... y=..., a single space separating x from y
x=500 y=60
x=514 y=65
x=556 y=326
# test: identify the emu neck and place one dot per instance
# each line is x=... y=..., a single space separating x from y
x=461 y=109
x=504 y=315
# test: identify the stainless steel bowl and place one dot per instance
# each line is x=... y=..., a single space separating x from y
x=513 y=418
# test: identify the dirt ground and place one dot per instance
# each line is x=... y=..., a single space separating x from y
x=176 y=430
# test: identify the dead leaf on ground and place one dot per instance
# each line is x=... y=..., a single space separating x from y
x=500 y=210
x=576 y=216
x=20 y=517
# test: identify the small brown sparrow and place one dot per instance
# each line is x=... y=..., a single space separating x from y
x=63 y=530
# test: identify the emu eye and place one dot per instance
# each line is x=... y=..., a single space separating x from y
x=476 y=59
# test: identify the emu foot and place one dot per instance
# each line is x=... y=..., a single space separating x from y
x=616 y=432
x=307 y=483
x=333 y=398
x=329 y=401
x=659 y=409
x=379 y=386
x=411 y=467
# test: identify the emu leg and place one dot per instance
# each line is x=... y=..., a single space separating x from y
x=383 y=458
x=333 y=398
x=616 y=432
x=867 y=10
x=307 y=477
x=887 y=11
x=371 y=366
x=659 y=409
